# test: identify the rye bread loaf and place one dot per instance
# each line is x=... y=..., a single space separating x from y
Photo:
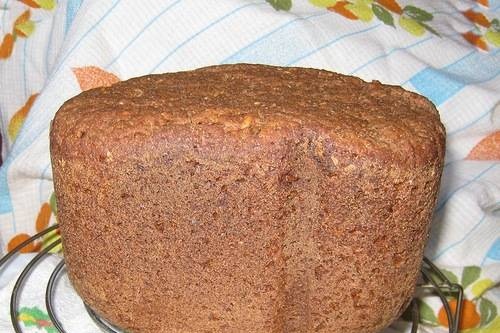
x=246 y=198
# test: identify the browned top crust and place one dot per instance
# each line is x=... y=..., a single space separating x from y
x=381 y=122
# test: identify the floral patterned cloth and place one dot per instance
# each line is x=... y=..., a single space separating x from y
x=446 y=50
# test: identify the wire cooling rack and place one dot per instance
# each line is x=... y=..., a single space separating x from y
x=433 y=282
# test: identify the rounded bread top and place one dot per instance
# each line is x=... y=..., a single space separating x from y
x=251 y=101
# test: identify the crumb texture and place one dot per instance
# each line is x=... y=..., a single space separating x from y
x=246 y=198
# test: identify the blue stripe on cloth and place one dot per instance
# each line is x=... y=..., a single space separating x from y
x=4 y=14
x=493 y=252
x=330 y=43
x=49 y=42
x=61 y=63
x=467 y=234
x=447 y=164
x=251 y=51
x=72 y=8
x=41 y=180
x=396 y=49
x=25 y=70
x=146 y=27
x=5 y=200
x=86 y=34
x=207 y=27
x=387 y=54
x=23 y=142
x=449 y=195
x=440 y=84
x=471 y=123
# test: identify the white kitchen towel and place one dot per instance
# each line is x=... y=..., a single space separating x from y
x=446 y=50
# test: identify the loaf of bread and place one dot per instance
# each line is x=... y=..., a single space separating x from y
x=246 y=198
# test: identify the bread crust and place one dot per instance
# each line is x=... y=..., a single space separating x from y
x=246 y=198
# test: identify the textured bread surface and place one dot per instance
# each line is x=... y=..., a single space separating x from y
x=246 y=198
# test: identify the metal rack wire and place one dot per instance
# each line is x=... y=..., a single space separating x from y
x=434 y=283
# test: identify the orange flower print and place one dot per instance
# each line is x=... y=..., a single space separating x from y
x=483 y=2
x=18 y=239
x=487 y=149
x=43 y=218
x=23 y=26
x=44 y=4
x=340 y=8
x=478 y=313
x=391 y=5
x=7 y=46
x=30 y=3
x=477 y=17
x=470 y=317
x=414 y=20
x=17 y=120
x=93 y=77
x=476 y=40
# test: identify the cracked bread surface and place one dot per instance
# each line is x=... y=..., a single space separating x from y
x=246 y=198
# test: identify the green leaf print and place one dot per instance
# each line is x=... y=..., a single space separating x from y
x=495 y=25
x=281 y=4
x=493 y=37
x=26 y=28
x=53 y=204
x=481 y=286
x=323 y=3
x=383 y=14
x=34 y=317
x=493 y=327
x=418 y=14
x=430 y=29
x=449 y=275
x=361 y=9
x=412 y=26
x=488 y=311
x=469 y=275
x=427 y=315
x=47 y=4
